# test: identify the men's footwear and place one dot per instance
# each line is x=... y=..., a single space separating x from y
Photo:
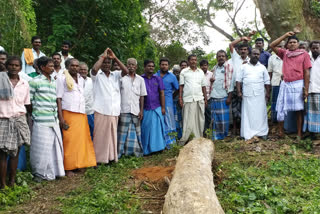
x=37 y=179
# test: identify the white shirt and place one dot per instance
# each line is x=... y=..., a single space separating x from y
x=192 y=82
x=275 y=67
x=208 y=76
x=106 y=93
x=29 y=68
x=64 y=59
x=88 y=95
x=314 y=86
x=24 y=76
x=237 y=62
x=253 y=77
x=71 y=100
x=55 y=74
x=131 y=90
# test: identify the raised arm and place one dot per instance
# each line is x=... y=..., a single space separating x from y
x=112 y=56
x=233 y=43
x=276 y=42
x=98 y=64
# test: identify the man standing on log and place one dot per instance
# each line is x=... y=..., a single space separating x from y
x=312 y=120
x=254 y=78
x=193 y=99
x=295 y=84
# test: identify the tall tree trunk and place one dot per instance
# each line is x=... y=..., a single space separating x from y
x=281 y=16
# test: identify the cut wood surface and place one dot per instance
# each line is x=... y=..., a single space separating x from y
x=191 y=189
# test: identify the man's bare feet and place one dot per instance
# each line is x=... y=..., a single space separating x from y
x=69 y=173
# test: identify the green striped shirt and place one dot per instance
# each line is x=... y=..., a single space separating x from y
x=43 y=99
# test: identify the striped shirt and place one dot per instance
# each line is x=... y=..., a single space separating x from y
x=43 y=99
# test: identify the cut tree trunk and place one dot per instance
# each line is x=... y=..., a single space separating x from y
x=281 y=16
x=192 y=189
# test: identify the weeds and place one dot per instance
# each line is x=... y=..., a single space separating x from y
x=21 y=191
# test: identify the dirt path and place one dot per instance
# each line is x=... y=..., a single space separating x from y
x=46 y=195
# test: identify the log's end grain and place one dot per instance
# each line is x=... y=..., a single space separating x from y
x=191 y=189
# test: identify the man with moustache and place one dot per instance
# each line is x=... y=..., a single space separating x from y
x=237 y=60
x=133 y=90
x=254 y=78
x=153 y=127
x=58 y=70
x=296 y=76
x=3 y=59
x=264 y=55
x=312 y=118
x=46 y=151
x=221 y=95
x=88 y=95
x=275 y=73
x=107 y=106
x=77 y=143
x=171 y=84
x=30 y=54
x=14 y=130
x=193 y=99
x=64 y=53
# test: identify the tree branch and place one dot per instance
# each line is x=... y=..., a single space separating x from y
x=209 y=20
x=256 y=24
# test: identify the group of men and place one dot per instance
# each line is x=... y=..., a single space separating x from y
x=74 y=121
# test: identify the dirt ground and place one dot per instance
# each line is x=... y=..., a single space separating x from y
x=151 y=184
x=45 y=200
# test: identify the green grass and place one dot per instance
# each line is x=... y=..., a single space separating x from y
x=286 y=183
x=20 y=193
x=105 y=190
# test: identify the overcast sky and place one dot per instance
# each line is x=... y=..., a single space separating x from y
x=217 y=40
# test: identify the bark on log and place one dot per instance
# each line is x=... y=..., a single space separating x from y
x=192 y=189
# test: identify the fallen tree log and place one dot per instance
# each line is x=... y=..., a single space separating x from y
x=191 y=189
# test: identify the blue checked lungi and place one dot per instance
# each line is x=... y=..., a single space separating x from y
x=178 y=117
x=312 y=118
x=220 y=118
x=290 y=98
x=275 y=93
x=170 y=126
x=91 y=124
x=152 y=131
x=129 y=135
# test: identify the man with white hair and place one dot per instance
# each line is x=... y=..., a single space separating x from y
x=133 y=90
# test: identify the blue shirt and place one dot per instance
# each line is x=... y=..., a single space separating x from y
x=170 y=85
x=264 y=58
